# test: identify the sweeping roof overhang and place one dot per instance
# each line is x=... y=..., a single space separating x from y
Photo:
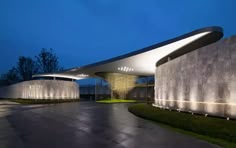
x=143 y=62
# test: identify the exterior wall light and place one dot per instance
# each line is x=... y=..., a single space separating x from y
x=82 y=75
x=125 y=69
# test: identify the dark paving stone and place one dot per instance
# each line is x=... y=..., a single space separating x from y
x=87 y=124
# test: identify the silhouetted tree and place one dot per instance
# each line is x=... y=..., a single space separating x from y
x=47 y=61
x=26 y=68
x=11 y=77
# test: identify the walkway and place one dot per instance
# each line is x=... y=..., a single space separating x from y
x=85 y=125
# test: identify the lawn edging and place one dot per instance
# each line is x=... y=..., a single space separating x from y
x=113 y=100
x=42 y=101
x=211 y=129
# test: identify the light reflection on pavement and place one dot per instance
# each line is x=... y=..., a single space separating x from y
x=84 y=124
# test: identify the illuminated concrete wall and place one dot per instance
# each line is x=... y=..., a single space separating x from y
x=41 y=89
x=142 y=93
x=201 y=81
x=121 y=84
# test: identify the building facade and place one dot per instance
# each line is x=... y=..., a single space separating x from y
x=195 y=72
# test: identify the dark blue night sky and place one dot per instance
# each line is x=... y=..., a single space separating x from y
x=87 y=31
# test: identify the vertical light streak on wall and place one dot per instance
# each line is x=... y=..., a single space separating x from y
x=63 y=94
x=74 y=93
x=23 y=93
x=180 y=94
x=30 y=91
x=45 y=93
x=34 y=92
x=164 y=91
x=57 y=94
x=232 y=96
x=37 y=91
x=212 y=75
x=67 y=94
x=41 y=92
x=171 y=97
x=27 y=93
x=156 y=91
x=51 y=93
x=71 y=94
x=210 y=96
x=193 y=95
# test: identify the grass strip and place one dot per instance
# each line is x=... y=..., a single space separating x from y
x=112 y=100
x=212 y=129
x=42 y=101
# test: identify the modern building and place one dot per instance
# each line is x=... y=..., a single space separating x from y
x=195 y=72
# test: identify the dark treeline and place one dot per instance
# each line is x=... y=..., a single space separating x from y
x=45 y=62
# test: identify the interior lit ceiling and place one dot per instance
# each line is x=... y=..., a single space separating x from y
x=143 y=61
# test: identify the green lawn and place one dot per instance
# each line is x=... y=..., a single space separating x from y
x=113 y=100
x=42 y=101
x=214 y=130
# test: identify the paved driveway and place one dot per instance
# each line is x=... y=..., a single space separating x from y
x=85 y=124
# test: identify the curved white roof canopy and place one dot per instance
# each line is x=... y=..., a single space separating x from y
x=141 y=62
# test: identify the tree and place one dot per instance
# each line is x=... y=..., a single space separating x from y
x=26 y=67
x=47 y=61
x=10 y=77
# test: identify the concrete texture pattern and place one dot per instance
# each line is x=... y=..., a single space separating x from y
x=41 y=89
x=145 y=92
x=201 y=81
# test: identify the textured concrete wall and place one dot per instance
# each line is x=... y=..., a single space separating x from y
x=141 y=93
x=41 y=89
x=201 y=81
